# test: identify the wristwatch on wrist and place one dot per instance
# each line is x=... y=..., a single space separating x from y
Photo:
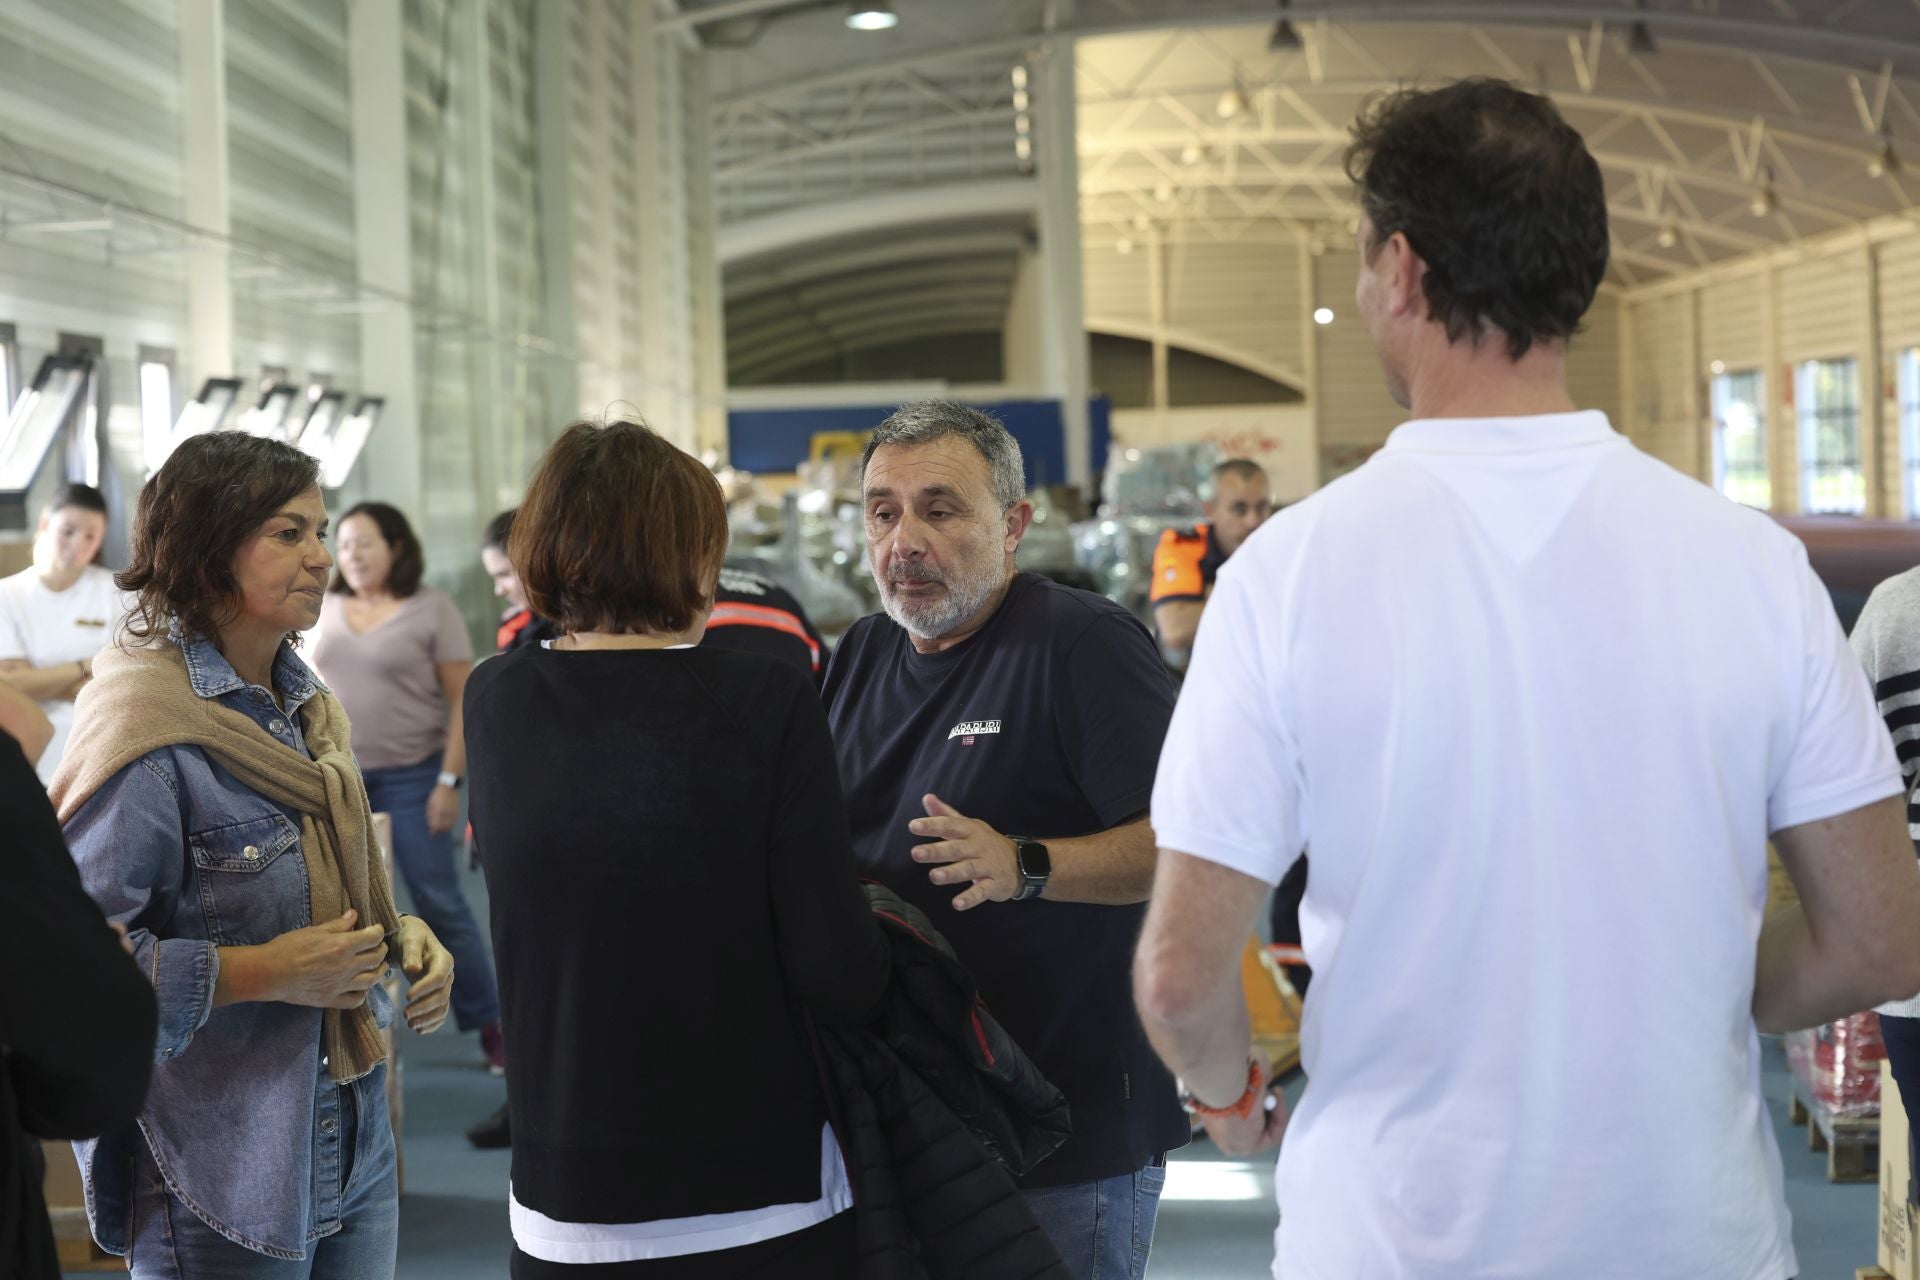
x=453 y=780
x=1035 y=864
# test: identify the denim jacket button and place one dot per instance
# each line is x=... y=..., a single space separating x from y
x=326 y=1126
x=278 y=726
x=250 y=853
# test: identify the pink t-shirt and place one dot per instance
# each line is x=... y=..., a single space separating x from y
x=387 y=680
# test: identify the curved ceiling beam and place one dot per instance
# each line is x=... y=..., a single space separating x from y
x=876 y=335
x=862 y=215
x=1680 y=28
x=854 y=141
x=763 y=375
x=1852 y=142
x=1814 y=202
x=744 y=282
x=1200 y=344
x=812 y=299
x=829 y=321
x=1848 y=141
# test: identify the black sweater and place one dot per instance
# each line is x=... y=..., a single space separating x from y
x=77 y=1017
x=667 y=855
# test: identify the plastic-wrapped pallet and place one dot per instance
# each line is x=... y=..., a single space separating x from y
x=1838 y=1066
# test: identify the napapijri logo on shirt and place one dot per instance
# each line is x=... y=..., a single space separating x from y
x=968 y=730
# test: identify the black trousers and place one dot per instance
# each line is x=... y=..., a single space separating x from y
x=1902 y=1036
x=823 y=1252
x=1285 y=919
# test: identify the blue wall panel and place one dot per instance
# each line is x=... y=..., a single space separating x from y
x=777 y=439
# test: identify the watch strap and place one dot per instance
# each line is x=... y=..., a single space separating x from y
x=1032 y=883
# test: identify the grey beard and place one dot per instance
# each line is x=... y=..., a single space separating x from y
x=935 y=619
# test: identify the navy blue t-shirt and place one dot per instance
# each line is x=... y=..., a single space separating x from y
x=1046 y=724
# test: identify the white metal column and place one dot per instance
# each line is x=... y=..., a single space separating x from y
x=376 y=64
x=486 y=361
x=553 y=116
x=708 y=292
x=208 y=190
x=1057 y=162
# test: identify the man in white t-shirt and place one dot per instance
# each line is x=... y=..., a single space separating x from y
x=1539 y=701
x=58 y=614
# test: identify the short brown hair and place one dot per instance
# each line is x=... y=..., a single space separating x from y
x=409 y=565
x=620 y=531
x=192 y=518
x=1240 y=469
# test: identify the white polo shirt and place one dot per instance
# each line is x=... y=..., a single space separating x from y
x=50 y=628
x=1537 y=702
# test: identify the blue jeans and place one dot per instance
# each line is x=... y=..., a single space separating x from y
x=426 y=863
x=169 y=1242
x=1103 y=1230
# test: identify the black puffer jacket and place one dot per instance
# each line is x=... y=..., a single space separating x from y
x=937 y=1111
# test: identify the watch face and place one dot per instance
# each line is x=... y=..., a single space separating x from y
x=1035 y=861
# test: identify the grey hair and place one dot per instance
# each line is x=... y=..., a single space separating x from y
x=925 y=421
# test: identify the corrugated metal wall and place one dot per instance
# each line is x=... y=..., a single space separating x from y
x=1238 y=302
x=1593 y=361
x=1356 y=413
x=91 y=97
x=1825 y=302
x=290 y=158
x=1664 y=417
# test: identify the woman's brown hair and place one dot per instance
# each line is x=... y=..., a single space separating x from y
x=409 y=564
x=620 y=531
x=192 y=518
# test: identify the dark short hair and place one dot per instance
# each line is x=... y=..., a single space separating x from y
x=409 y=564
x=924 y=421
x=81 y=497
x=1239 y=469
x=498 y=530
x=1499 y=196
x=619 y=531
x=194 y=515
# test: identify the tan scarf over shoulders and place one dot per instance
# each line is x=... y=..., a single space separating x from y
x=141 y=700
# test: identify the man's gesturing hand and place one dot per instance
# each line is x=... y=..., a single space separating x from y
x=968 y=850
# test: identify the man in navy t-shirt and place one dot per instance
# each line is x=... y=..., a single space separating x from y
x=998 y=735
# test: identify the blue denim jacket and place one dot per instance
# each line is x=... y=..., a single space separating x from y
x=189 y=859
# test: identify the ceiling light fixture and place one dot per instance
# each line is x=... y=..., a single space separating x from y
x=1885 y=161
x=1284 y=38
x=1764 y=202
x=1164 y=193
x=1323 y=316
x=1233 y=102
x=1123 y=246
x=1640 y=36
x=1193 y=153
x=872 y=15
x=1669 y=236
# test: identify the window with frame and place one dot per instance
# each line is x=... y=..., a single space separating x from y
x=1740 y=468
x=1909 y=391
x=1832 y=480
x=156 y=404
x=9 y=369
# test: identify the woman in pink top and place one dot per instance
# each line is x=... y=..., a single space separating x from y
x=396 y=653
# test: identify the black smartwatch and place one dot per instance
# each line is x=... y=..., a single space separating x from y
x=1035 y=864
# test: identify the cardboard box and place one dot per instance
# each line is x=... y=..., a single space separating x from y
x=1899 y=1224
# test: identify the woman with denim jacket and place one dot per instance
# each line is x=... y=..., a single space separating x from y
x=211 y=801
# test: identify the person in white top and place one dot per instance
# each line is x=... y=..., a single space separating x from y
x=1538 y=700
x=55 y=616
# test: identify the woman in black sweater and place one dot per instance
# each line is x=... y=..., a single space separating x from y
x=672 y=882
